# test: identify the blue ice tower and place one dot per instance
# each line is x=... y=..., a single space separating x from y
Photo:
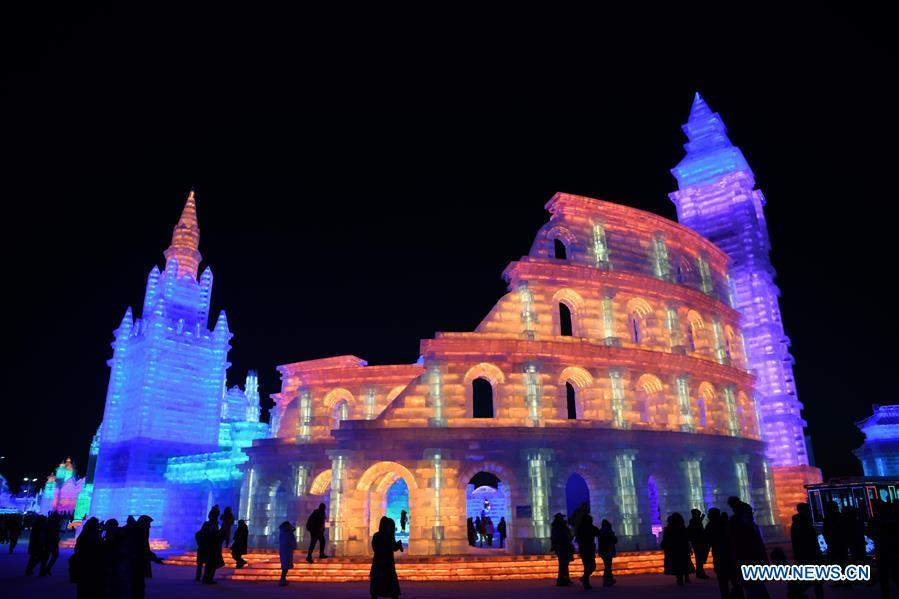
x=166 y=382
x=717 y=198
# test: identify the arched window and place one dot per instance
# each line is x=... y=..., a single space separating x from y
x=341 y=412
x=559 y=249
x=565 y=327
x=482 y=398
x=638 y=310
x=691 y=339
x=635 y=328
x=571 y=399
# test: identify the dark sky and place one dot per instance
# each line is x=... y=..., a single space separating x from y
x=363 y=179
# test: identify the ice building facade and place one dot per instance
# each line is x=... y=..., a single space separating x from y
x=717 y=197
x=61 y=490
x=879 y=454
x=166 y=395
x=612 y=372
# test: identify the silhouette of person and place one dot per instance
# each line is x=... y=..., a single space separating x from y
x=316 y=527
x=806 y=549
x=479 y=528
x=855 y=535
x=214 y=516
x=472 y=532
x=488 y=530
x=698 y=541
x=676 y=547
x=287 y=544
x=112 y=541
x=501 y=529
x=239 y=546
x=213 y=550
x=14 y=531
x=383 y=578
x=142 y=555
x=585 y=534
x=36 y=551
x=404 y=518
x=606 y=543
x=883 y=528
x=51 y=543
x=747 y=545
x=717 y=534
x=203 y=539
x=86 y=563
x=560 y=543
x=227 y=523
x=835 y=536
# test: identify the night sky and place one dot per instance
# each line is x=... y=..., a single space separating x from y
x=363 y=179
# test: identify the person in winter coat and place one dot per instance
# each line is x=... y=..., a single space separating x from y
x=586 y=534
x=698 y=541
x=287 y=544
x=488 y=530
x=212 y=551
x=227 y=523
x=51 y=542
x=606 y=542
x=676 y=547
x=202 y=539
x=404 y=519
x=806 y=549
x=383 y=578
x=239 y=546
x=560 y=538
x=716 y=532
x=747 y=545
x=86 y=563
x=315 y=525
x=36 y=551
x=501 y=529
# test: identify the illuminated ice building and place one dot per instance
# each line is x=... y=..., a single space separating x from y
x=717 y=198
x=611 y=372
x=879 y=454
x=171 y=435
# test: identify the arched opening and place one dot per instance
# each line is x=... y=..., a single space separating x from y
x=398 y=508
x=340 y=413
x=390 y=489
x=482 y=398
x=571 y=401
x=650 y=396
x=577 y=493
x=655 y=511
x=695 y=325
x=565 y=322
x=560 y=252
x=486 y=506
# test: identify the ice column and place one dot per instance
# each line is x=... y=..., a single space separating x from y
x=683 y=404
x=627 y=494
x=532 y=393
x=435 y=396
x=618 y=420
x=600 y=249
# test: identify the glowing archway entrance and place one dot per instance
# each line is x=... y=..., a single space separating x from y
x=576 y=493
x=486 y=505
x=391 y=489
x=277 y=512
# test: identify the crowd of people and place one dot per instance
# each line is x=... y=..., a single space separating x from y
x=481 y=531
x=111 y=560
x=591 y=541
x=11 y=526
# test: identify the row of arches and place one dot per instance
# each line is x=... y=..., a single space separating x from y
x=677 y=405
x=645 y=326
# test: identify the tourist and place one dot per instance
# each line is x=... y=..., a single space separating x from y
x=51 y=543
x=202 y=538
x=746 y=544
x=698 y=541
x=716 y=531
x=239 y=546
x=586 y=534
x=560 y=543
x=606 y=545
x=855 y=535
x=479 y=529
x=404 y=518
x=384 y=581
x=676 y=547
x=489 y=530
x=112 y=552
x=883 y=528
x=806 y=549
x=214 y=514
x=472 y=532
x=212 y=550
x=86 y=563
x=14 y=531
x=835 y=536
x=36 y=548
x=315 y=525
x=227 y=523
x=575 y=518
x=501 y=529
x=287 y=544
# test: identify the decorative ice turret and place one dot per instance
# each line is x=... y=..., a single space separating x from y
x=717 y=198
x=879 y=454
x=165 y=386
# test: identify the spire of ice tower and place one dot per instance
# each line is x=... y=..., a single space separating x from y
x=710 y=153
x=186 y=241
